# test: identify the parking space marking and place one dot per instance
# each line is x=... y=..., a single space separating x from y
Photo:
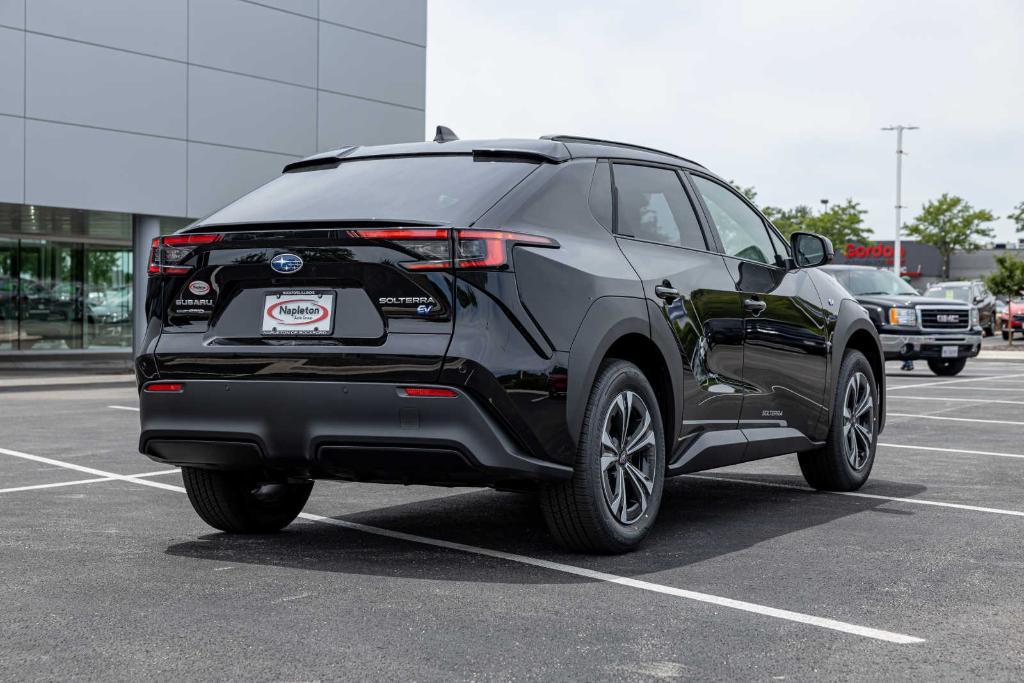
x=58 y=484
x=961 y=400
x=754 y=608
x=954 y=419
x=134 y=479
x=832 y=624
x=953 y=381
x=858 y=494
x=134 y=410
x=951 y=450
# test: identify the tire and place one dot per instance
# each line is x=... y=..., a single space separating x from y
x=579 y=512
x=837 y=466
x=239 y=504
x=947 y=368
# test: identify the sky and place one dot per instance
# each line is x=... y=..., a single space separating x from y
x=788 y=96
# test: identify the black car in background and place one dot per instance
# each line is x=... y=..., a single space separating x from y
x=971 y=292
x=945 y=332
x=572 y=316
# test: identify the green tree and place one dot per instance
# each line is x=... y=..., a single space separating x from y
x=841 y=223
x=749 y=192
x=788 y=221
x=1007 y=279
x=950 y=223
x=1018 y=217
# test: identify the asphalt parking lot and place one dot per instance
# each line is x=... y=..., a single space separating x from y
x=106 y=572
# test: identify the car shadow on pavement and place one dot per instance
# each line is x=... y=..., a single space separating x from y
x=700 y=519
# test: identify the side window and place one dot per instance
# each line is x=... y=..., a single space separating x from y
x=601 y=195
x=653 y=206
x=743 y=233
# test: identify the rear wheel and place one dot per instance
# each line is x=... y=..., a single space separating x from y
x=238 y=503
x=610 y=503
x=844 y=462
x=947 y=368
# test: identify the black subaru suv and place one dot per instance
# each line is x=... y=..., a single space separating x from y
x=943 y=331
x=572 y=316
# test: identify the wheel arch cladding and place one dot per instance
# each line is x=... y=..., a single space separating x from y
x=854 y=330
x=618 y=327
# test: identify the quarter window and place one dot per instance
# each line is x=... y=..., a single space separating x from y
x=743 y=233
x=653 y=206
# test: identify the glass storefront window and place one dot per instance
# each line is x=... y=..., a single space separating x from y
x=108 y=297
x=8 y=296
x=66 y=278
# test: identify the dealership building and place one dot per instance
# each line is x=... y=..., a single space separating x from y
x=122 y=119
x=922 y=263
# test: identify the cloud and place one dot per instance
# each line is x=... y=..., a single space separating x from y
x=788 y=96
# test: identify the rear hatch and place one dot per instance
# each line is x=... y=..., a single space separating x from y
x=338 y=272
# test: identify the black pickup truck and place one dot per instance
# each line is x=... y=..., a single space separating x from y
x=943 y=332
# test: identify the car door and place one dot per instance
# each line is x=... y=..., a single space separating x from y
x=785 y=347
x=691 y=298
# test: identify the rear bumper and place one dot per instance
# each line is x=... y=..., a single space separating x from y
x=924 y=346
x=358 y=431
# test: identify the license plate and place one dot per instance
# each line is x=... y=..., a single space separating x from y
x=305 y=313
x=950 y=351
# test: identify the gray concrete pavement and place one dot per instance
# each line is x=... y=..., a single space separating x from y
x=119 y=580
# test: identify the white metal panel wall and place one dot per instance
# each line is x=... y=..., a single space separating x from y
x=176 y=107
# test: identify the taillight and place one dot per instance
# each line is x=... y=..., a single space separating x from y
x=167 y=254
x=473 y=248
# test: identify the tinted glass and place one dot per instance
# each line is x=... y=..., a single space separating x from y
x=743 y=233
x=450 y=189
x=652 y=205
x=870 y=281
x=601 y=194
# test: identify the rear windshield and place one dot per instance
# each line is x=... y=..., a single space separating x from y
x=436 y=189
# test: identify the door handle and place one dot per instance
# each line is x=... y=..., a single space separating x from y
x=755 y=306
x=666 y=292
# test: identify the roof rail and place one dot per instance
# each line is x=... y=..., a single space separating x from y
x=613 y=143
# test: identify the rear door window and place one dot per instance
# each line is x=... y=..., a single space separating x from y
x=653 y=206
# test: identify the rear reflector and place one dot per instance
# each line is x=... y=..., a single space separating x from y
x=165 y=387
x=428 y=392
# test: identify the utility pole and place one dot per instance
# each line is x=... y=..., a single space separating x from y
x=897 y=256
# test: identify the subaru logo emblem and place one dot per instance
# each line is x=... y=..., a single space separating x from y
x=286 y=263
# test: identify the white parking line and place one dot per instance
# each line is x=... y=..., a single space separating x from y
x=821 y=622
x=951 y=450
x=124 y=408
x=858 y=494
x=90 y=470
x=954 y=419
x=977 y=399
x=35 y=487
x=954 y=381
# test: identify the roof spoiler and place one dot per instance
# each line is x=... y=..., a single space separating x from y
x=322 y=159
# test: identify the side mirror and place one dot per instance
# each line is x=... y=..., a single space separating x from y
x=810 y=249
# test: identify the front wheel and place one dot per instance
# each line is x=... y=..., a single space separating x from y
x=947 y=368
x=238 y=503
x=610 y=503
x=845 y=461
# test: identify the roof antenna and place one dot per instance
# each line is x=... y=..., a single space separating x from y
x=445 y=134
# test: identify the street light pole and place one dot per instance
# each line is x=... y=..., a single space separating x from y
x=897 y=256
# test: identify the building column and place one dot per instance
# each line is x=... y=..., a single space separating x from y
x=144 y=230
